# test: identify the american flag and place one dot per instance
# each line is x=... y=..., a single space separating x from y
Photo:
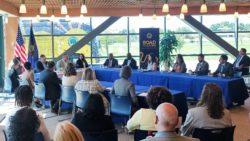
x=20 y=50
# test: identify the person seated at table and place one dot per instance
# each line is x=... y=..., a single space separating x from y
x=151 y=63
x=52 y=86
x=66 y=131
x=242 y=62
x=129 y=61
x=39 y=67
x=179 y=65
x=13 y=75
x=81 y=62
x=111 y=62
x=225 y=69
x=28 y=75
x=125 y=87
x=43 y=60
x=202 y=67
x=23 y=98
x=69 y=77
x=93 y=118
x=166 y=120
x=93 y=86
x=209 y=113
x=155 y=97
x=61 y=64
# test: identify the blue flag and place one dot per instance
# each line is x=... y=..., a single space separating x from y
x=33 y=50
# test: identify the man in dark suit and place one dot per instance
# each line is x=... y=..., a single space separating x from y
x=225 y=69
x=111 y=62
x=13 y=75
x=129 y=61
x=52 y=85
x=242 y=62
x=202 y=67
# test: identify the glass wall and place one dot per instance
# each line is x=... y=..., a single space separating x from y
x=53 y=38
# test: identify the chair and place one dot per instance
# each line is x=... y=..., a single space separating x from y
x=40 y=91
x=142 y=134
x=67 y=95
x=110 y=135
x=38 y=136
x=81 y=98
x=121 y=106
x=237 y=74
x=221 y=134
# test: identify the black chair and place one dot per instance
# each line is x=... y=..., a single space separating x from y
x=142 y=134
x=38 y=136
x=221 y=134
x=110 y=135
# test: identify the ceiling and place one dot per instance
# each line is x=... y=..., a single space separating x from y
x=106 y=6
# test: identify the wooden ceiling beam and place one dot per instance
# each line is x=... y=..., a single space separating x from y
x=136 y=11
x=8 y=7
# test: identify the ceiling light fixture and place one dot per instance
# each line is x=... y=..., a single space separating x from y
x=222 y=7
x=84 y=8
x=168 y=16
x=64 y=10
x=182 y=16
x=22 y=8
x=140 y=14
x=67 y=18
x=248 y=15
x=43 y=9
x=203 y=7
x=165 y=7
x=52 y=18
x=236 y=13
x=154 y=17
x=184 y=8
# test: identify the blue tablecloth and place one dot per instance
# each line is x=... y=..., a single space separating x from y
x=234 y=89
x=179 y=98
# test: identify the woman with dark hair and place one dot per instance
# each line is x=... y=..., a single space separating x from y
x=23 y=126
x=39 y=67
x=93 y=86
x=123 y=86
x=93 y=118
x=152 y=63
x=81 y=62
x=179 y=65
x=155 y=97
x=13 y=74
x=209 y=113
x=69 y=77
x=28 y=75
x=23 y=98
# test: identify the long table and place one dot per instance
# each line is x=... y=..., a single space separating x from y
x=179 y=98
x=234 y=89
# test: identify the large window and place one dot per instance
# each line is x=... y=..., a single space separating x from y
x=54 y=38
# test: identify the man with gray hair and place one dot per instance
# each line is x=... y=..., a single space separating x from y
x=165 y=123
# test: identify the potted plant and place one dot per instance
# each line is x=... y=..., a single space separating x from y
x=168 y=44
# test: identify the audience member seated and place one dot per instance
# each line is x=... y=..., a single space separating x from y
x=125 y=87
x=81 y=62
x=202 y=67
x=130 y=61
x=93 y=86
x=66 y=131
x=152 y=62
x=179 y=65
x=242 y=62
x=69 y=77
x=165 y=122
x=92 y=118
x=209 y=113
x=52 y=86
x=155 y=97
x=225 y=69
x=23 y=125
x=28 y=75
x=23 y=98
x=13 y=75
x=43 y=60
x=111 y=62
x=61 y=64
x=39 y=67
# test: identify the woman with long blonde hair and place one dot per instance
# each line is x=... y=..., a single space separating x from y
x=66 y=131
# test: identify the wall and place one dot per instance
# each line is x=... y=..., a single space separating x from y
x=10 y=34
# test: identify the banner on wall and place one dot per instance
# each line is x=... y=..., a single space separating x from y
x=149 y=45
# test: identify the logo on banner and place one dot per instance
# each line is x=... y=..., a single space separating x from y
x=149 y=42
x=149 y=35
